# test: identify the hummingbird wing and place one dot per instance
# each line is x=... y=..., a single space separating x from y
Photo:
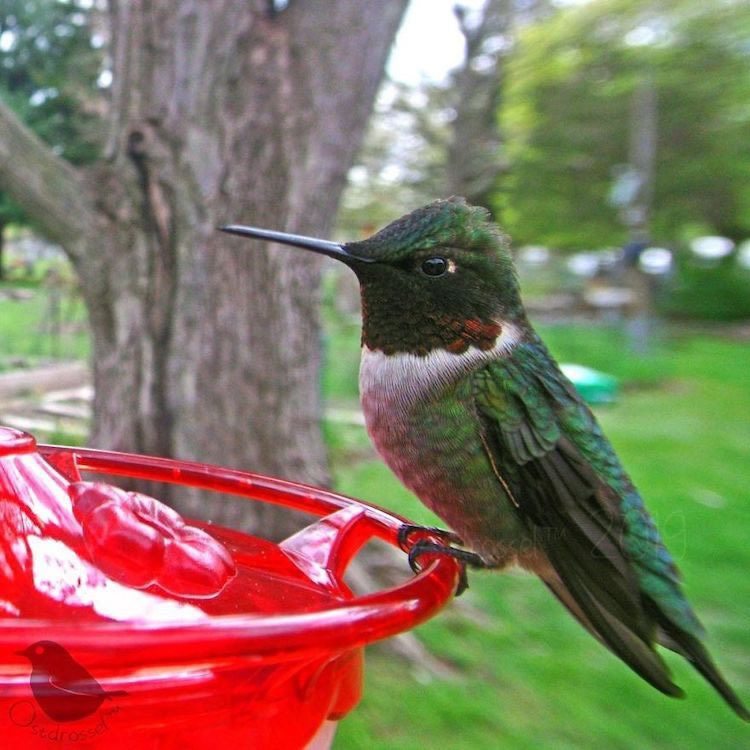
x=611 y=568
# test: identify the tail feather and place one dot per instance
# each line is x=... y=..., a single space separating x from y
x=687 y=645
x=638 y=654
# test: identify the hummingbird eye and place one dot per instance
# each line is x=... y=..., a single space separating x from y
x=434 y=266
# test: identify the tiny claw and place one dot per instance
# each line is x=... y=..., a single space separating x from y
x=466 y=558
x=408 y=529
x=463 y=582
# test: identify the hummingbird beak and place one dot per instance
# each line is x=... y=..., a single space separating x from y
x=324 y=247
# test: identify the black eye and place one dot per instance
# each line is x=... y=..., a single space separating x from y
x=435 y=266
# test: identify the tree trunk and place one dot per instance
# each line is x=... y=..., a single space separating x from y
x=642 y=153
x=206 y=347
x=475 y=159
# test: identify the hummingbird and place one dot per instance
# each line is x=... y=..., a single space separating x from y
x=63 y=688
x=469 y=409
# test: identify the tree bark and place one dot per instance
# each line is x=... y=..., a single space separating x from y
x=44 y=185
x=206 y=347
x=474 y=159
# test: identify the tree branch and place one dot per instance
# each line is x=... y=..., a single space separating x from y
x=44 y=185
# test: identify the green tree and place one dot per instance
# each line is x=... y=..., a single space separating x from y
x=49 y=64
x=569 y=116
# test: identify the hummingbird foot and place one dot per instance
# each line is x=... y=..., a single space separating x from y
x=408 y=530
x=466 y=558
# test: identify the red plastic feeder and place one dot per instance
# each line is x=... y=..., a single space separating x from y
x=124 y=626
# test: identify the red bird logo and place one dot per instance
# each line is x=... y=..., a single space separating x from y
x=64 y=689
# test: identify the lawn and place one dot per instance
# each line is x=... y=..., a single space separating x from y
x=527 y=676
x=38 y=324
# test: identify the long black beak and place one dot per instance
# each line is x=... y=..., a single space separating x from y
x=332 y=249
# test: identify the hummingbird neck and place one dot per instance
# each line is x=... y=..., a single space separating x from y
x=455 y=336
x=403 y=329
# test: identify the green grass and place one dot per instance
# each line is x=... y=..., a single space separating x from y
x=27 y=329
x=528 y=675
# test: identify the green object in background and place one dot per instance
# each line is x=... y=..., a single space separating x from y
x=594 y=386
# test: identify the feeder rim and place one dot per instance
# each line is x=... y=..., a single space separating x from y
x=282 y=637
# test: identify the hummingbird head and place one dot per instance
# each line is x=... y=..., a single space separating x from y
x=440 y=277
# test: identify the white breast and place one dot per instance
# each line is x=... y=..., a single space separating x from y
x=406 y=378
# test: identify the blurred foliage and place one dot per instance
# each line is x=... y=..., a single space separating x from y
x=439 y=138
x=567 y=109
x=719 y=291
x=49 y=64
x=475 y=151
x=402 y=161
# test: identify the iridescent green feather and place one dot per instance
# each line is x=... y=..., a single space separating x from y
x=528 y=392
x=445 y=223
x=615 y=573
